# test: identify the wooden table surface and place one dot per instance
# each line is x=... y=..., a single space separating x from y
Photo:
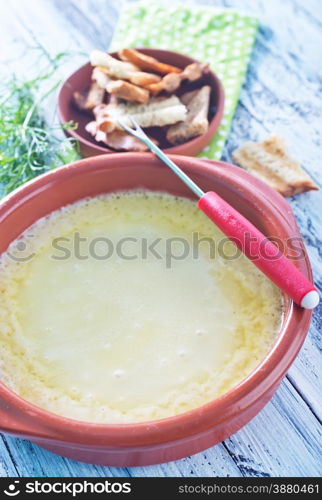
x=282 y=93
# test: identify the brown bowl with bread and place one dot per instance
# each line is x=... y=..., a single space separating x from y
x=177 y=100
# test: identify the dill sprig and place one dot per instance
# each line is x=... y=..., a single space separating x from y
x=29 y=144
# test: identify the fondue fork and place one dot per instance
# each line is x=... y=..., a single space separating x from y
x=242 y=232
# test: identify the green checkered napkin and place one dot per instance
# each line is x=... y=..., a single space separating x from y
x=222 y=37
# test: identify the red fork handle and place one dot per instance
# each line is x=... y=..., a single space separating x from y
x=263 y=252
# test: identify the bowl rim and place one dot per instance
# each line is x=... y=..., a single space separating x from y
x=176 y=149
x=282 y=353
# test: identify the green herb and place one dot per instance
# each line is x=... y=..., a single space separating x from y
x=29 y=145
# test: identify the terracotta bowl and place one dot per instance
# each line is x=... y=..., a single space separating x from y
x=80 y=80
x=188 y=433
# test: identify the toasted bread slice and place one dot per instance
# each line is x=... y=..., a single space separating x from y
x=145 y=62
x=157 y=113
x=102 y=120
x=90 y=99
x=127 y=91
x=196 y=122
x=121 y=141
x=270 y=161
x=188 y=96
